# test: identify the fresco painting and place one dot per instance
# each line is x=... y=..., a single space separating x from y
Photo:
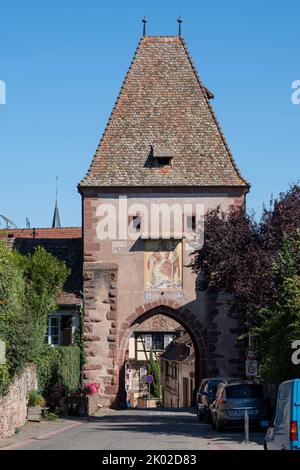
x=163 y=264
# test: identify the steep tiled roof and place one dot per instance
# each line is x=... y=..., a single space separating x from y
x=65 y=244
x=162 y=107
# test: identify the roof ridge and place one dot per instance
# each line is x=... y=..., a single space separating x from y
x=203 y=88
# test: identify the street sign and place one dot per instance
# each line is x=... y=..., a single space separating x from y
x=250 y=354
x=149 y=379
x=251 y=368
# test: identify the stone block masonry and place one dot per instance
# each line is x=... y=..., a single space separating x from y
x=13 y=406
x=100 y=332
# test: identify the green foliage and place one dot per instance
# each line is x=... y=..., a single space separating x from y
x=4 y=379
x=35 y=398
x=51 y=415
x=154 y=369
x=11 y=290
x=28 y=288
x=79 y=338
x=59 y=367
x=280 y=322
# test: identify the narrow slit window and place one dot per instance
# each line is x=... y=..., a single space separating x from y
x=191 y=223
x=135 y=222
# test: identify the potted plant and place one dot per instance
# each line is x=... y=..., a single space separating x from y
x=36 y=403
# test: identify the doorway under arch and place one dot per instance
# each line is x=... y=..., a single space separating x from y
x=186 y=318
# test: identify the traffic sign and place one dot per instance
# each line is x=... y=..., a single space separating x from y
x=250 y=354
x=251 y=368
x=149 y=379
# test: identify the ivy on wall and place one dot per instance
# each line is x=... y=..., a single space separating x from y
x=59 y=367
x=29 y=286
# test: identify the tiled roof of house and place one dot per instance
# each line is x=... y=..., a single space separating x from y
x=179 y=350
x=163 y=109
x=64 y=243
x=64 y=232
x=175 y=352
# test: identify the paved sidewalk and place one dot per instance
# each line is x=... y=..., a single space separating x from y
x=34 y=431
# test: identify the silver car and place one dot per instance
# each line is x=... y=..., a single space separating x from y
x=232 y=400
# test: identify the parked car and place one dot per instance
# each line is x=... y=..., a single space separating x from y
x=233 y=399
x=284 y=433
x=206 y=395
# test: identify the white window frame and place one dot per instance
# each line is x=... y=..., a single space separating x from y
x=168 y=338
x=148 y=342
x=50 y=318
x=156 y=334
x=59 y=314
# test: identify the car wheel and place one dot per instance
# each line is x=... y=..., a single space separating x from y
x=199 y=415
x=207 y=416
x=213 y=424
x=219 y=426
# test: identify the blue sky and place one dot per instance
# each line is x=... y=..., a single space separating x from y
x=63 y=63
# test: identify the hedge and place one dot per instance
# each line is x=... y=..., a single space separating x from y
x=59 y=367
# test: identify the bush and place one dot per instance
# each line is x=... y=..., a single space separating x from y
x=35 y=398
x=4 y=379
x=51 y=415
x=59 y=367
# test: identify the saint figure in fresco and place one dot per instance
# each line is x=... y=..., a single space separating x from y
x=164 y=265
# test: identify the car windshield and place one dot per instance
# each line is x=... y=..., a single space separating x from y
x=244 y=391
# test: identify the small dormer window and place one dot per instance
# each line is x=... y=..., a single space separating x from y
x=161 y=155
x=164 y=161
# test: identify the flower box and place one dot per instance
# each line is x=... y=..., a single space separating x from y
x=34 y=413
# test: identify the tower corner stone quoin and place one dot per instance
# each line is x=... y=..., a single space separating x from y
x=162 y=144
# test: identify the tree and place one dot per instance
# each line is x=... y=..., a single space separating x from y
x=154 y=369
x=280 y=321
x=238 y=253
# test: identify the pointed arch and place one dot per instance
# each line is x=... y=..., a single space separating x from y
x=182 y=315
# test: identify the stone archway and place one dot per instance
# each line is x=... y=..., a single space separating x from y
x=169 y=308
x=107 y=328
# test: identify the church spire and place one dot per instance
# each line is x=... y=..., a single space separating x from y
x=56 y=218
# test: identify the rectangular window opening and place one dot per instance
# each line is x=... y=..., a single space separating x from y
x=191 y=223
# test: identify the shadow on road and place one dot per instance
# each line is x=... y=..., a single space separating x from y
x=167 y=421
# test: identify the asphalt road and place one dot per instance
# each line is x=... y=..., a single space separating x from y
x=158 y=429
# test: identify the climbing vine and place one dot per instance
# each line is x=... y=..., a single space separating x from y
x=29 y=286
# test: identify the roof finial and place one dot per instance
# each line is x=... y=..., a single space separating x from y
x=144 y=20
x=179 y=25
x=56 y=218
x=56 y=189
